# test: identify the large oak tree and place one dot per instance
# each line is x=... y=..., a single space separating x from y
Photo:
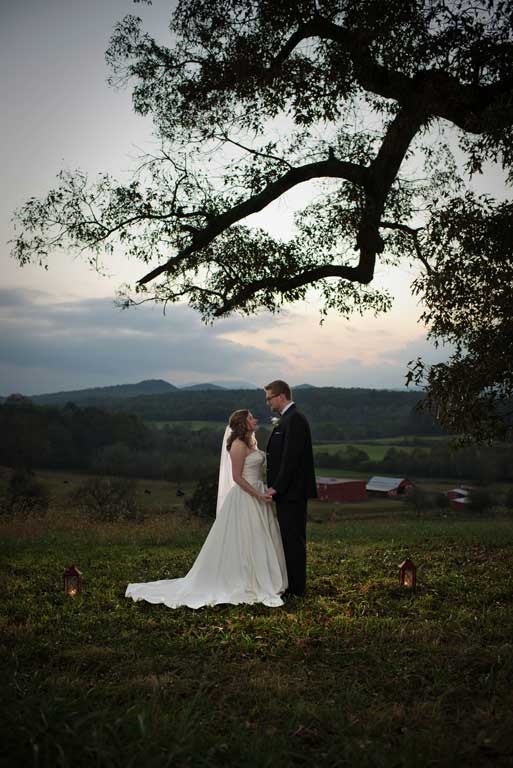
x=251 y=98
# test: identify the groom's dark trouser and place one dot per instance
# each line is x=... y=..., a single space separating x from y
x=292 y=520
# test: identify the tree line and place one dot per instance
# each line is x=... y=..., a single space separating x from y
x=435 y=76
x=334 y=413
x=481 y=464
x=104 y=442
x=120 y=443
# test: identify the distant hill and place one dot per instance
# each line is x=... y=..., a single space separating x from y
x=304 y=386
x=236 y=385
x=336 y=414
x=344 y=413
x=206 y=387
x=210 y=385
x=101 y=394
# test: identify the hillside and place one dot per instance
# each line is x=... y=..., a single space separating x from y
x=99 y=395
x=336 y=413
x=205 y=387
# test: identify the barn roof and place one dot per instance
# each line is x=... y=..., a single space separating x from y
x=385 y=483
x=461 y=491
x=337 y=480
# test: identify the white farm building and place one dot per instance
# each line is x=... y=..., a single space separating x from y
x=388 y=486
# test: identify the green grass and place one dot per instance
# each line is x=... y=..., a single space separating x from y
x=360 y=673
x=375 y=451
x=401 y=441
x=349 y=473
x=153 y=496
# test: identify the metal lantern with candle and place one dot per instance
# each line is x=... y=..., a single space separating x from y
x=408 y=574
x=72 y=581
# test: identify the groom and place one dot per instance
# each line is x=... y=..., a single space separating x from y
x=291 y=479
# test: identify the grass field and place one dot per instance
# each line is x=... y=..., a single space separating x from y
x=404 y=441
x=153 y=496
x=376 y=449
x=349 y=473
x=430 y=484
x=359 y=674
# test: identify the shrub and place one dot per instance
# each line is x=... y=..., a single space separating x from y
x=480 y=500
x=108 y=499
x=354 y=456
x=418 y=500
x=508 y=499
x=25 y=495
x=348 y=458
x=441 y=500
x=203 y=501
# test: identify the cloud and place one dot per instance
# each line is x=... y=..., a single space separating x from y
x=387 y=373
x=49 y=345
x=18 y=297
x=46 y=344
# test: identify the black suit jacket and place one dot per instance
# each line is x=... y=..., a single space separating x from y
x=290 y=463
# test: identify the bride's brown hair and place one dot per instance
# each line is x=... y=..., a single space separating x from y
x=238 y=422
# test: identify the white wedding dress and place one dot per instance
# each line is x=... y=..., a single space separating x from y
x=241 y=561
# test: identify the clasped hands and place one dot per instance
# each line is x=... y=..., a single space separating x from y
x=269 y=495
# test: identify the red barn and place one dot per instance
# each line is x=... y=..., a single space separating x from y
x=459 y=497
x=340 y=489
x=459 y=493
x=388 y=486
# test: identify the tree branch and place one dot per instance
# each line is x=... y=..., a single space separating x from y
x=382 y=173
x=325 y=168
x=376 y=180
x=252 y=151
x=283 y=284
x=445 y=96
x=412 y=232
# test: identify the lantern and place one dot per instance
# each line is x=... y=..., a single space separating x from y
x=408 y=574
x=72 y=581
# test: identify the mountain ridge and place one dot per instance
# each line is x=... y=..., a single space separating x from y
x=338 y=412
x=143 y=387
x=116 y=391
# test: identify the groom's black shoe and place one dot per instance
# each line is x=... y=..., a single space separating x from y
x=288 y=594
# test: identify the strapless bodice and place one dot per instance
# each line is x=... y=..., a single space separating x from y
x=254 y=467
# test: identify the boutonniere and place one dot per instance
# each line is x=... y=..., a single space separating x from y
x=275 y=420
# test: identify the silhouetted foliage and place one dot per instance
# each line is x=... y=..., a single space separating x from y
x=204 y=498
x=279 y=94
x=484 y=464
x=508 y=499
x=25 y=495
x=420 y=501
x=480 y=500
x=108 y=499
x=441 y=501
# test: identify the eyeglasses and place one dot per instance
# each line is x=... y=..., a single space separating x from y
x=271 y=397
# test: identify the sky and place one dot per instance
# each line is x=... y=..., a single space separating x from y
x=60 y=328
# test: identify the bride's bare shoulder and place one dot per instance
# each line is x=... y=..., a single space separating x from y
x=239 y=445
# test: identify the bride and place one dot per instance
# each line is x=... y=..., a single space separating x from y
x=242 y=559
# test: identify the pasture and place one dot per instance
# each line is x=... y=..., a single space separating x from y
x=360 y=673
x=376 y=449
